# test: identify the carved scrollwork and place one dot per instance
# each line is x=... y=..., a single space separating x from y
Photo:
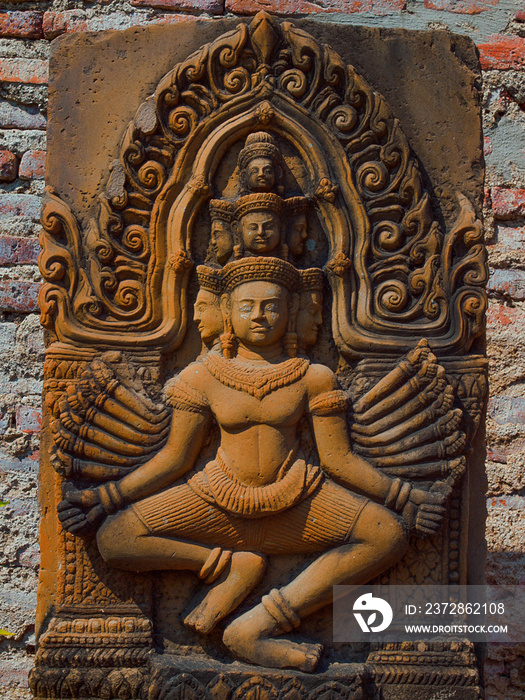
x=407 y=277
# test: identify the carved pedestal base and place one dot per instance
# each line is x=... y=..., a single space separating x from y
x=173 y=677
x=422 y=671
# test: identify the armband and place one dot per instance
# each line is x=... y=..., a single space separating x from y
x=180 y=395
x=329 y=403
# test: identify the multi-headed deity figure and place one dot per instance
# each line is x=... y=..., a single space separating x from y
x=260 y=496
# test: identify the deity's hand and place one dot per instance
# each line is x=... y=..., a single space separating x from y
x=81 y=511
x=425 y=510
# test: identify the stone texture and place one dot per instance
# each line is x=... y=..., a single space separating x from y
x=8 y=166
x=301 y=7
x=23 y=70
x=21 y=25
x=13 y=116
x=33 y=165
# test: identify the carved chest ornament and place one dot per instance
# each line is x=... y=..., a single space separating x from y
x=266 y=229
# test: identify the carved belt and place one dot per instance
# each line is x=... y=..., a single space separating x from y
x=217 y=484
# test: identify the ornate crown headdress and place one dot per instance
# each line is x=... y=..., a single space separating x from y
x=260 y=269
x=296 y=205
x=210 y=279
x=259 y=201
x=259 y=145
x=221 y=209
x=312 y=279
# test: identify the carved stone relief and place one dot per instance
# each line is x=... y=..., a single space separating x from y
x=264 y=377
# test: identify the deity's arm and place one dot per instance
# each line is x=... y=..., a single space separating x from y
x=177 y=457
x=327 y=406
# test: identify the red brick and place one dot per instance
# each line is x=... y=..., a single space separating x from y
x=18 y=251
x=292 y=7
x=14 y=116
x=502 y=53
x=33 y=165
x=20 y=205
x=463 y=7
x=520 y=16
x=508 y=203
x=19 y=295
x=56 y=23
x=21 y=25
x=24 y=70
x=28 y=420
x=8 y=163
x=215 y=7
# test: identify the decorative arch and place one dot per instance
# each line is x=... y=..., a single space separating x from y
x=395 y=276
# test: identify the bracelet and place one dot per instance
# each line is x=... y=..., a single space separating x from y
x=393 y=492
x=110 y=497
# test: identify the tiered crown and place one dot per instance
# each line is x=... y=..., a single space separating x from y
x=260 y=270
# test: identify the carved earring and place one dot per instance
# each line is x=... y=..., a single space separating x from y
x=290 y=343
x=228 y=340
x=238 y=251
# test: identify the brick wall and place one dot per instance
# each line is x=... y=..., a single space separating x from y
x=26 y=28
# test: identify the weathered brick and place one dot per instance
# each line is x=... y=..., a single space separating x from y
x=211 y=6
x=33 y=165
x=507 y=203
x=502 y=52
x=24 y=70
x=520 y=16
x=18 y=251
x=13 y=116
x=292 y=7
x=19 y=295
x=509 y=282
x=20 y=205
x=28 y=420
x=57 y=23
x=8 y=163
x=21 y=25
x=463 y=7
x=507 y=409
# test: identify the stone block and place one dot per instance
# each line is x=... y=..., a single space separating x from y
x=18 y=251
x=507 y=203
x=21 y=25
x=507 y=409
x=502 y=52
x=13 y=116
x=12 y=204
x=32 y=165
x=302 y=7
x=214 y=7
x=8 y=166
x=24 y=70
x=508 y=282
x=19 y=295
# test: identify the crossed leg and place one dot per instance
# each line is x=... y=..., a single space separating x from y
x=126 y=543
x=379 y=539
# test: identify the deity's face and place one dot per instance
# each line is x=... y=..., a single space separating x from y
x=207 y=315
x=259 y=313
x=260 y=175
x=221 y=240
x=309 y=317
x=260 y=231
x=297 y=234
